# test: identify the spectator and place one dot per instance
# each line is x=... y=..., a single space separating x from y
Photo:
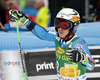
x=38 y=12
x=43 y=16
x=29 y=10
x=5 y=6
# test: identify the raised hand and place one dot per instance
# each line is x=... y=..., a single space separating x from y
x=18 y=15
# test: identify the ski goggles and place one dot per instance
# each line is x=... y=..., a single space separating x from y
x=63 y=24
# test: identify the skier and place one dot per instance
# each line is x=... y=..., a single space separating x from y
x=69 y=47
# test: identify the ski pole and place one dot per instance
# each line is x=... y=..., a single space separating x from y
x=24 y=71
x=75 y=71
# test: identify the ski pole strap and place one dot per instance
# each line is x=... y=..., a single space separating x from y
x=31 y=25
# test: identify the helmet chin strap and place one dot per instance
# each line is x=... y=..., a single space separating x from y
x=67 y=36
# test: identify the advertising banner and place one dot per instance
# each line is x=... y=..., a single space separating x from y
x=42 y=62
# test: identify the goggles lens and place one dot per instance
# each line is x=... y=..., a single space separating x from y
x=63 y=24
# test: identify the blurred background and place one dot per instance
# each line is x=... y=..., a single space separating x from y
x=88 y=9
x=46 y=10
x=43 y=12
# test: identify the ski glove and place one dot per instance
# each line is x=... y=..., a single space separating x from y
x=76 y=56
x=18 y=15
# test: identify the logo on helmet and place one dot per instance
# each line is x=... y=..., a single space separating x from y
x=74 y=19
x=75 y=13
x=64 y=14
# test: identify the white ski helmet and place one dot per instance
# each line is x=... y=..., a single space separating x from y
x=69 y=15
